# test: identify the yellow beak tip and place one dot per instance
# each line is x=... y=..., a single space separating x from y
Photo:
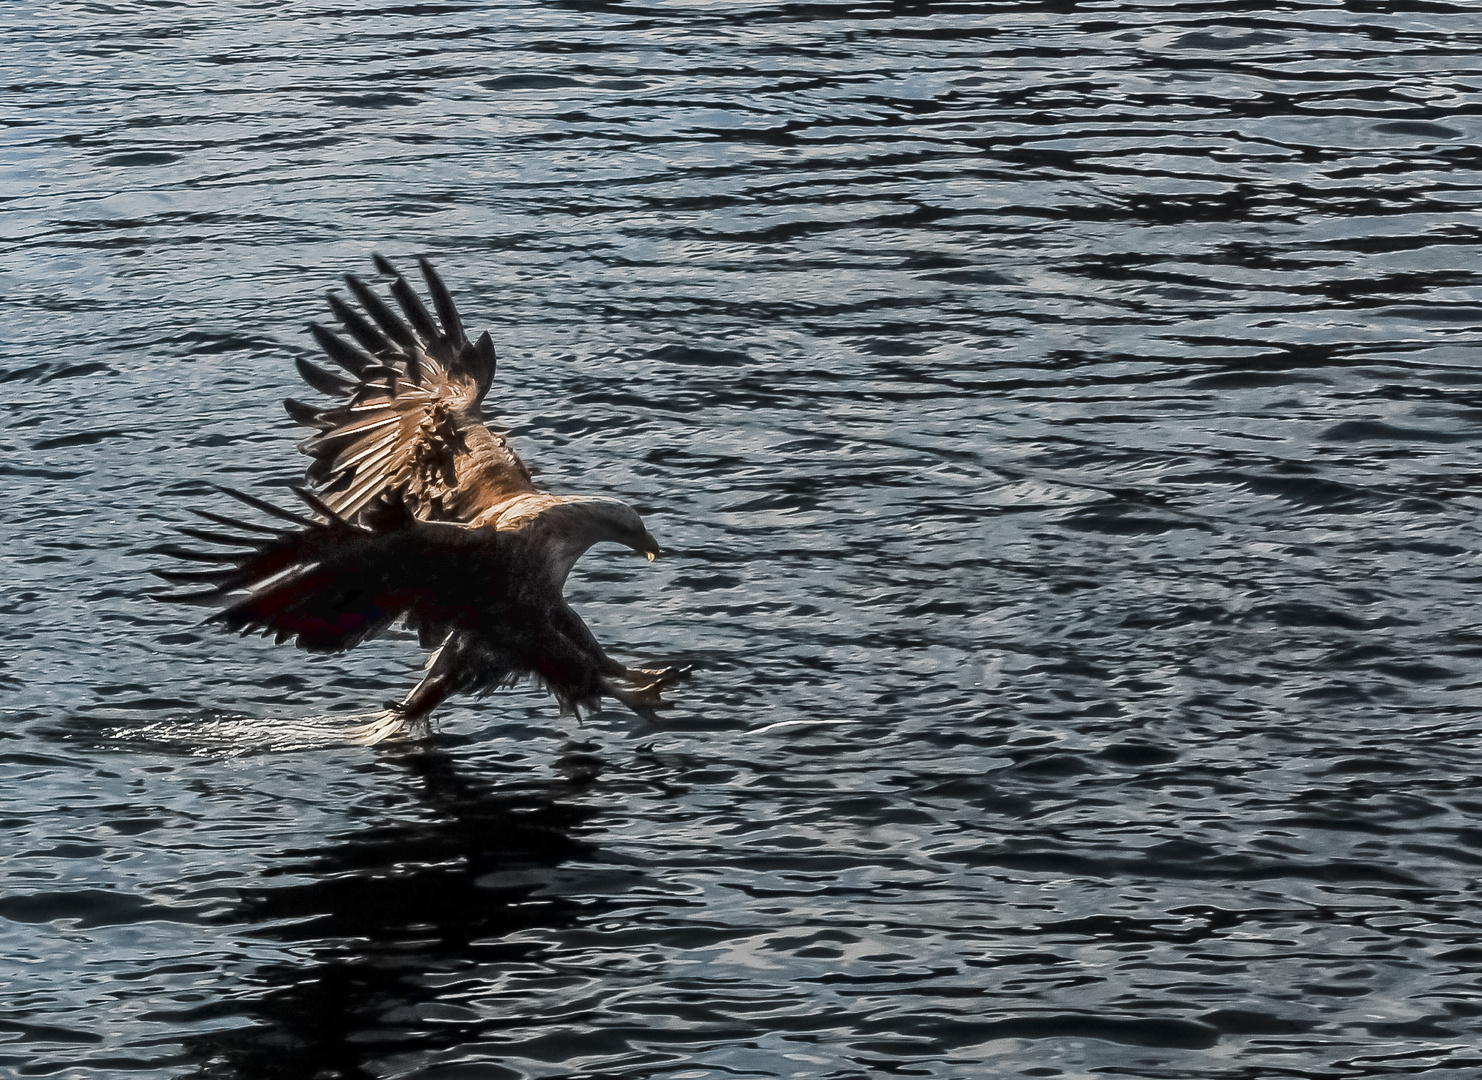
x=652 y=555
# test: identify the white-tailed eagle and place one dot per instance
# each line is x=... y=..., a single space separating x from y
x=422 y=515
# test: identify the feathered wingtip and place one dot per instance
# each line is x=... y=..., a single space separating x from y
x=384 y=345
x=478 y=360
x=327 y=513
x=242 y=538
x=352 y=358
x=326 y=382
x=474 y=360
x=331 y=517
x=244 y=541
x=307 y=415
x=264 y=506
x=391 y=324
x=442 y=301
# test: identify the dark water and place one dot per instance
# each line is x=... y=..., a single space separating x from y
x=1065 y=420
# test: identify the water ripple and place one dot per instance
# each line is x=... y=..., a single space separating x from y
x=1061 y=421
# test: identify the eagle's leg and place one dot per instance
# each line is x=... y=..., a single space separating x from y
x=427 y=695
x=410 y=718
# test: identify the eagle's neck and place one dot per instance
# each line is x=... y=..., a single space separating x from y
x=561 y=534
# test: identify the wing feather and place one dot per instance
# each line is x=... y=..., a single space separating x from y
x=411 y=304
x=263 y=505
x=390 y=323
x=360 y=427
x=356 y=361
x=331 y=583
x=307 y=415
x=442 y=300
x=326 y=382
x=358 y=327
x=232 y=523
x=407 y=422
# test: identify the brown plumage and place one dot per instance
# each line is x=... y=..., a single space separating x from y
x=421 y=515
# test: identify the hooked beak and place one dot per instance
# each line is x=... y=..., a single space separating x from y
x=650 y=546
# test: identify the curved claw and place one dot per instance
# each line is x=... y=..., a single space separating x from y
x=640 y=689
x=666 y=676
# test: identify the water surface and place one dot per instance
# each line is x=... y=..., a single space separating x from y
x=1063 y=418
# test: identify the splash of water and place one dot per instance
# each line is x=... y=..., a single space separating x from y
x=236 y=735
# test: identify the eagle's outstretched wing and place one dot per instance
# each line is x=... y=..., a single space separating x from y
x=488 y=596
x=407 y=423
x=331 y=584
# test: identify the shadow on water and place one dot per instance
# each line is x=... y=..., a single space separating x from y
x=386 y=930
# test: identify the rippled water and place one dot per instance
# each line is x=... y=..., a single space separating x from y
x=1064 y=420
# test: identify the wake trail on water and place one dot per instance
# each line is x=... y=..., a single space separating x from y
x=240 y=735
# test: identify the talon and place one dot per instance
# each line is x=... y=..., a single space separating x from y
x=392 y=723
x=666 y=676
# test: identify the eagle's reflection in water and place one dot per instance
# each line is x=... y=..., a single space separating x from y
x=392 y=934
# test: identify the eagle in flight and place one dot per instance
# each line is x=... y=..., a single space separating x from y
x=419 y=513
